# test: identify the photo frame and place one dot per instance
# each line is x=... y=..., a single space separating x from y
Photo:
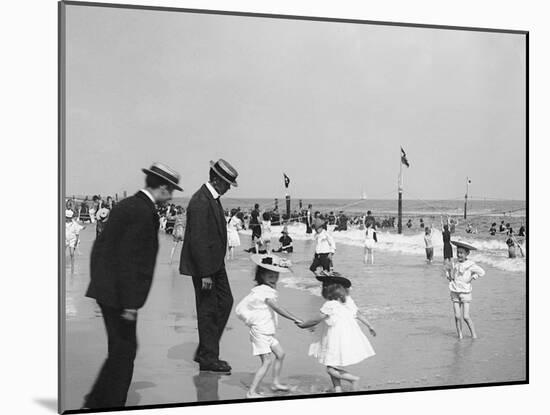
x=298 y=110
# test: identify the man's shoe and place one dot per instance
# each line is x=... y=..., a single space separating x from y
x=224 y=363
x=216 y=368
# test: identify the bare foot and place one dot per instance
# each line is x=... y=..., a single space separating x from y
x=460 y=336
x=338 y=389
x=474 y=336
x=278 y=387
x=253 y=394
x=354 y=383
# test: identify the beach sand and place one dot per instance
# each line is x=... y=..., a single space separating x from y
x=405 y=299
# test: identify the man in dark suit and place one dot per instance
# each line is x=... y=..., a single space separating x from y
x=121 y=271
x=203 y=258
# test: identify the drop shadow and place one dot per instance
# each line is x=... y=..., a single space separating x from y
x=48 y=403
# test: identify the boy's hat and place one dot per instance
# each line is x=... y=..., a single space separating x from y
x=333 y=277
x=272 y=262
x=69 y=213
x=464 y=245
x=285 y=229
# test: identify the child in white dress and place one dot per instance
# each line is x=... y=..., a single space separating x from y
x=370 y=241
x=72 y=234
x=234 y=225
x=258 y=310
x=342 y=343
x=266 y=232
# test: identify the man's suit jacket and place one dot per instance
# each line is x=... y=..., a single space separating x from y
x=205 y=238
x=124 y=254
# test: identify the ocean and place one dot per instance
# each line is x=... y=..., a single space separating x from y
x=492 y=250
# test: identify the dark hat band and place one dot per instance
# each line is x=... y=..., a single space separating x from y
x=220 y=170
x=165 y=174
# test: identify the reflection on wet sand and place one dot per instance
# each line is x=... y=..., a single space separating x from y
x=206 y=384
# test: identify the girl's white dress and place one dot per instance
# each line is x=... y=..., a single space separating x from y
x=233 y=228
x=342 y=342
x=266 y=231
x=369 y=238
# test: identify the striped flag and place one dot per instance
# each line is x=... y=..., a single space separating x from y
x=404 y=158
x=287 y=180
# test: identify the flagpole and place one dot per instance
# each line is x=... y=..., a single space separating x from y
x=400 y=196
x=287 y=198
x=466 y=197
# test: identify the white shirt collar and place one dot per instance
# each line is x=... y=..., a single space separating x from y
x=149 y=195
x=215 y=194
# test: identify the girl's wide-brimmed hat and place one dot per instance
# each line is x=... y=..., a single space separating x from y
x=225 y=170
x=333 y=278
x=464 y=245
x=272 y=262
x=102 y=213
x=166 y=173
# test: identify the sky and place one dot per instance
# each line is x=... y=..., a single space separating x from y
x=330 y=104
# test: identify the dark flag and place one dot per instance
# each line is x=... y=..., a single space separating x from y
x=287 y=180
x=404 y=158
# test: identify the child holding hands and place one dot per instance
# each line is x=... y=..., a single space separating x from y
x=342 y=342
x=259 y=311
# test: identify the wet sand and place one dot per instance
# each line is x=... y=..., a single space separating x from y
x=406 y=300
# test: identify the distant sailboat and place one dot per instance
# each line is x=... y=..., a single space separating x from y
x=364 y=196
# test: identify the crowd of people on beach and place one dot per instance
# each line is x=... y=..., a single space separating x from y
x=124 y=255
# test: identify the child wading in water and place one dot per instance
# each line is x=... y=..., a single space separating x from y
x=460 y=274
x=72 y=234
x=324 y=248
x=342 y=342
x=259 y=311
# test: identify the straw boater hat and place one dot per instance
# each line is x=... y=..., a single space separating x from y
x=164 y=172
x=225 y=170
x=464 y=245
x=102 y=213
x=271 y=262
x=333 y=278
x=69 y=213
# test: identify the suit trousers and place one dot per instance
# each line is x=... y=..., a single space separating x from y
x=213 y=309
x=111 y=386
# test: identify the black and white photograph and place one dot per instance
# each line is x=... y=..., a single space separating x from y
x=268 y=207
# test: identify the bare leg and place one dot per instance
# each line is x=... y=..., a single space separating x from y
x=71 y=253
x=337 y=383
x=468 y=319
x=372 y=256
x=343 y=375
x=277 y=366
x=173 y=252
x=458 y=319
x=260 y=374
x=366 y=259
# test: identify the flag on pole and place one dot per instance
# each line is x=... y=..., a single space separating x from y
x=287 y=180
x=404 y=158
